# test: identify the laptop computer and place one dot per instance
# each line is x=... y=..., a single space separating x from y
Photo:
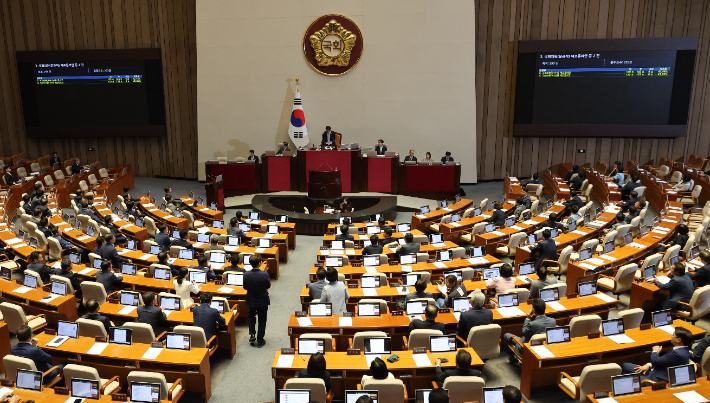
x=409 y=280
x=662 y=318
x=177 y=341
x=370 y=261
x=120 y=335
x=370 y=281
x=264 y=243
x=585 y=254
x=170 y=303
x=218 y=257
x=97 y=263
x=233 y=241
x=649 y=272
x=198 y=277
x=129 y=298
x=75 y=258
x=622 y=385
x=29 y=380
x=371 y=230
x=442 y=344
x=66 y=329
x=491 y=273
x=368 y=309
x=457 y=274
x=493 y=395
x=681 y=375
x=311 y=346
x=334 y=261
x=507 y=300
x=218 y=305
x=145 y=392
x=273 y=229
x=408 y=259
x=234 y=279
x=404 y=227
x=509 y=222
x=337 y=244
x=253 y=215
x=6 y=273
x=478 y=251
x=218 y=224
x=461 y=304
x=320 y=309
x=444 y=256
x=281 y=218
x=162 y=274
x=587 y=288
x=609 y=247
x=30 y=281
x=557 y=334
x=550 y=294
x=244 y=227
x=186 y=254
x=525 y=269
x=59 y=288
x=378 y=345
x=436 y=238
x=128 y=269
x=203 y=238
x=351 y=396
x=416 y=307
x=489 y=228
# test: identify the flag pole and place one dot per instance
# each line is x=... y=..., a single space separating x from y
x=297 y=84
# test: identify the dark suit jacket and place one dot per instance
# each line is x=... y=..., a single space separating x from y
x=701 y=276
x=498 y=218
x=408 y=158
x=547 y=251
x=408 y=248
x=680 y=240
x=446 y=159
x=107 y=279
x=427 y=324
x=471 y=318
x=574 y=201
x=332 y=137
x=236 y=232
x=182 y=242
x=628 y=203
x=552 y=224
x=75 y=168
x=697 y=353
x=303 y=373
x=626 y=189
x=256 y=282
x=163 y=240
x=442 y=375
x=73 y=278
x=254 y=158
x=346 y=237
x=207 y=318
x=374 y=249
x=10 y=179
x=153 y=316
x=95 y=316
x=671 y=358
x=569 y=175
x=53 y=161
x=43 y=270
x=108 y=251
x=680 y=288
x=233 y=268
x=42 y=360
x=46 y=212
x=381 y=150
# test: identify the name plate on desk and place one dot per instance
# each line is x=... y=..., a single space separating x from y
x=119 y=397
x=398 y=313
x=356 y=264
x=394 y=263
x=352 y=285
x=147 y=275
x=424 y=243
x=6 y=382
x=348 y=314
x=301 y=313
x=288 y=351
x=594 y=335
x=323 y=248
x=156 y=344
x=537 y=342
x=61 y=391
x=218 y=282
x=357 y=247
x=353 y=351
x=570 y=296
x=318 y=265
x=659 y=385
x=645 y=326
x=50 y=332
x=419 y=351
x=101 y=339
x=444 y=310
x=601 y=394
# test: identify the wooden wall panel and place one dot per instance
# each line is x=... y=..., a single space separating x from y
x=578 y=19
x=107 y=24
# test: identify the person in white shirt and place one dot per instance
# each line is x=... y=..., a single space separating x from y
x=184 y=288
x=684 y=184
x=335 y=292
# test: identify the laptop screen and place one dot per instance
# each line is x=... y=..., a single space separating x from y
x=351 y=396
x=177 y=341
x=263 y=243
x=454 y=273
x=129 y=298
x=550 y=294
x=320 y=309
x=217 y=257
x=185 y=254
x=253 y=215
x=404 y=227
x=97 y=263
x=155 y=249
x=554 y=233
x=131 y=244
x=59 y=288
x=681 y=375
x=509 y=222
x=29 y=380
x=337 y=245
x=609 y=247
x=408 y=259
x=371 y=261
x=203 y=238
x=176 y=234
x=334 y=261
x=588 y=288
x=526 y=268
x=444 y=256
x=218 y=224
x=30 y=281
x=424 y=209
x=170 y=303
x=409 y=280
x=506 y=300
x=461 y=304
x=493 y=395
x=572 y=226
x=218 y=305
x=585 y=254
x=281 y=218
x=442 y=344
x=436 y=238
x=416 y=307
x=233 y=241
x=128 y=269
x=662 y=318
x=68 y=329
x=370 y=230
x=272 y=229
x=612 y=326
x=491 y=273
x=490 y=227
x=235 y=279
x=478 y=251
x=368 y=309
x=378 y=345
x=120 y=335
x=370 y=281
x=161 y=274
x=311 y=346
x=244 y=227
x=198 y=277
x=649 y=272
x=145 y=392
x=626 y=384
x=559 y=334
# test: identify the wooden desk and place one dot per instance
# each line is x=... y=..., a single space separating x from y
x=492 y=240
x=127 y=228
x=158 y=216
x=192 y=366
x=420 y=221
x=115 y=188
x=201 y=211
x=4 y=343
x=346 y=371
x=226 y=335
x=279 y=241
x=574 y=356
x=512 y=188
x=47 y=395
x=289 y=228
x=663 y=395
x=60 y=308
x=453 y=231
x=555 y=186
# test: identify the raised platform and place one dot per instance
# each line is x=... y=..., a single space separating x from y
x=270 y=205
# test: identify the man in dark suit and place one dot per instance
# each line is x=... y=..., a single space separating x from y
x=344 y=235
x=163 y=259
x=410 y=157
x=574 y=200
x=535 y=323
x=38 y=266
x=283 y=147
x=475 y=316
x=498 y=216
x=657 y=369
x=234 y=230
x=204 y=264
x=328 y=137
x=552 y=223
x=107 y=277
x=463 y=368
x=93 y=306
x=54 y=160
x=37 y=192
x=182 y=241
x=535 y=181
x=387 y=236
x=374 y=248
x=234 y=264
x=151 y=314
x=316 y=289
x=43 y=227
x=680 y=288
x=380 y=148
x=546 y=249
x=430 y=313
x=207 y=317
x=632 y=184
x=27 y=348
x=447 y=157
x=702 y=275
x=76 y=167
x=419 y=292
x=256 y=284
x=409 y=245
x=9 y=177
x=253 y=157
x=634 y=197
x=46 y=212
x=63 y=243
x=84 y=210
x=65 y=271
x=575 y=170
x=26 y=205
x=577 y=183
x=162 y=238
x=108 y=252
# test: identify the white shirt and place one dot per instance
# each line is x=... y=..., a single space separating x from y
x=183 y=291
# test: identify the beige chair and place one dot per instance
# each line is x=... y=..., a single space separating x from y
x=21 y=172
x=12 y=363
x=484 y=204
x=590 y=243
x=168 y=391
x=593 y=378
x=85 y=187
x=485 y=340
x=690 y=199
x=150 y=226
x=698 y=307
x=108 y=386
x=389 y=390
x=61 y=279
x=562 y=262
x=48 y=181
x=84 y=221
x=632 y=317
x=561 y=287
x=621 y=232
x=198 y=338
x=382 y=302
x=444 y=220
x=668 y=255
x=697 y=214
x=457 y=252
x=635 y=223
x=35 y=167
x=621 y=282
x=91 y=328
x=467 y=273
x=103 y=173
x=15 y=317
x=586 y=194
x=54 y=249
x=534 y=191
x=93 y=182
x=147 y=244
x=59 y=175
x=650 y=260
x=581 y=326
x=68 y=169
x=523 y=293
x=191 y=221
x=315 y=385
x=534 y=207
x=513 y=242
x=92 y=257
x=142 y=332
x=92 y=289
x=464 y=388
x=25 y=218
x=328 y=344
x=358 y=339
x=36 y=275
x=676 y=177
x=419 y=338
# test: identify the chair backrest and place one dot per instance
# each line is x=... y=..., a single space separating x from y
x=700 y=302
x=514 y=241
x=632 y=317
x=327 y=339
x=523 y=293
x=91 y=289
x=142 y=332
x=63 y=280
x=103 y=173
x=382 y=276
x=467 y=212
x=583 y=325
x=59 y=175
x=484 y=204
x=197 y=335
x=383 y=303
x=21 y=172
x=591 y=243
x=621 y=232
x=561 y=288
x=84 y=220
x=190 y=218
x=147 y=244
x=12 y=363
x=466 y=273
x=390 y=390
x=36 y=275
x=565 y=255
x=534 y=207
x=464 y=388
x=48 y=180
x=91 y=328
x=485 y=340
x=446 y=219
x=670 y=253
x=595 y=378
x=625 y=277
x=458 y=252
x=13 y=315
x=315 y=385
x=55 y=249
x=705 y=363
x=653 y=259
x=150 y=377
x=150 y=226
x=92 y=179
x=359 y=338
x=82 y=372
x=478 y=228
x=419 y=338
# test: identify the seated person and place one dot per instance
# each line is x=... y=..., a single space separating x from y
x=63 y=243
x=131 y=209
x=620 y=220
x=37 y=265
x=419 y=292
x=66 y=272
x=552 y=223
x=378 y=369
x=409 y=246
x=632 y=184
x=117 y=234
x=316 y=369
x=163 y=259
x=234 y=230
x=234 y=264
x=152 y=314
x=702 y=275
x=427 y=157
x=107 y=277
x=169 y=204
x=253 y=157
x=438 y=395
x=519 y=208
x=578 y=182
x=315 y=289
x=463 y=368
x=696 y=354
x=541 y=282
x=535 y=323
x=632 y=213
x=430 y=313
x=9 y=177
x=633 y=198
x=182 y=241
x=453 y=290
x=546 y=250
x=27 y=348
x=387 y=237
x=410 y=157
x=447 y=157
x=335 y=292
x=282 y=147
x=680 y=288
x=92 y=306
x=374 y=248
x=511 y=394
x=204 y=264
x=214 y=238
x=574 y=214
x=534 y=181
x=380 y=148
x=505 y=282
x=206 y=317
x=26 y=206
x=476 y=316
x=574 y=200
x=126 y=196
x=163 y=239
x=498 y=216
x=344 y=234
x=657 y=369
x=617 y=172
x=684 y=184
x=575 y=170
x=680 y=238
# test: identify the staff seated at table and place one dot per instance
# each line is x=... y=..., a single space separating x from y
x=214 y=238
x=335 y=292
x=504 y=282
x=252 y=157
x=9 y=177
x=657 y=369
x=546 y=249
x=36 y=215
x=617 y=172
x=182 y=241
x=680 y=288
x=684 y=184
x=316 y=369
x=476 y=316
x=203 y=264
x=132 y=210
x=454 y=289
x=43 y=227
x=66 y=272
x=85 y=210
x=498 y=216
x=410 y=157
x=680 y=238
x=380 y=148
x=27 y=348
x=631 y=214
x=26 y=206
x=46 y=212
x=344 y=235
x=447 y=157
x=151 y=314
x=409 y=246
x=535 y=323
x=316 y=289
x=419 y=292
x=374 y=248
x=282 y=147
x=463 y=368
x=170 y=206
x=234 y=262
x=430 y=313
x=126 y=196
x=574 y=200
x=541 y=282
x=427 y=157
x=702 y=275
x=163 y=259
x=620 y=220
x=552 y=223
x=378 y=369
x=169 y=192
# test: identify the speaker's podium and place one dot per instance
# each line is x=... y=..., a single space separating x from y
x=215 y=192
x=324 y=184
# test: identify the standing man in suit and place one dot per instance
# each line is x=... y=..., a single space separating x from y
x=151 y=314
x=252 y=157
x=9 y=177
x=76 y=167
x=54 y=160
x=374 y=248
x=328 y=137
x=657 y=369
x=162 y=238
x=498 y=216
x=680 y=288
x=476 y=316
x=283 y=147
x=447 y=157
x=535 y=323
x=256 y=284
x=108 y=252
x=463 y=368
x=93 y=306
x=182 y=241
x=546 y=249
x=409 y=245
x=430 y=313
x=38 y=266
x=207 y=317
x=316 y=289
x=27 y=348
x=702 y=275
x=410 y=157
x=107 y=277
x=380 y=148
